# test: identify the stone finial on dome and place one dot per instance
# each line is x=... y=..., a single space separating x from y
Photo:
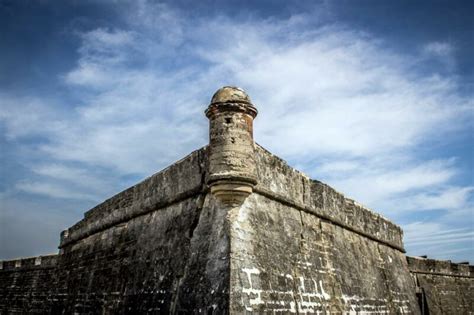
x=231 y=98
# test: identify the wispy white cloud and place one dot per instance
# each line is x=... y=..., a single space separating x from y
x=376 y=182
x=448 y=198
x=442 y=52
x=103 y=40
x=54 y=190
x=73 y=175
x=430 y=237
x=29 y=116
x=440 y=49
x=101 y=51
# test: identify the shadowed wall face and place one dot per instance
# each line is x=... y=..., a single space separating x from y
x=158 y=247
x=167 y=255
x=443 y=287
x=27 y=285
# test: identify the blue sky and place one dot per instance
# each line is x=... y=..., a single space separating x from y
x=373 y=97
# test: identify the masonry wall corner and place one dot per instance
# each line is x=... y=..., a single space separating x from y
x=232 y=229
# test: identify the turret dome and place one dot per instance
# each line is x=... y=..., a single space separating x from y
x=230 y=94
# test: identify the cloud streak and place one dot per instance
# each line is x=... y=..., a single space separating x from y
x=430 y=237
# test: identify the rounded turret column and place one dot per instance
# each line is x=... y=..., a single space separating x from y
x=232 y=172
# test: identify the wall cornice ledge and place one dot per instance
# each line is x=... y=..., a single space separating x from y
x=317 y=212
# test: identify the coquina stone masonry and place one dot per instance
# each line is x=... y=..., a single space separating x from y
x=232 y=171
x=443 y=287
x=232 y=229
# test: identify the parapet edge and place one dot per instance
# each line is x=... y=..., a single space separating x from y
x=283 y=182
x=154 y=192
x=26 y=263
x=421 y=265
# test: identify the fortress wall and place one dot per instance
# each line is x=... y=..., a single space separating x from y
x=177 y=182
x=443 y=287
x=26 y=284
x=298 y=247
x=160 y=247
x=232 y=229
x=166 y=261
x=290 y=261
x=173 y=260
x=156 y=247
x=278 y=181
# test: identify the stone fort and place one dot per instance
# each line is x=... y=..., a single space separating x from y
x=232 y=229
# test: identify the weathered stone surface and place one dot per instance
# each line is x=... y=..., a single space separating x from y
x=290 y=261
x=277 y=180
x=26 y=285
x=442 y=286
x=154 y=192
x=129 y=267
x=158 y=247
x=232 y=172
x=230 y=94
